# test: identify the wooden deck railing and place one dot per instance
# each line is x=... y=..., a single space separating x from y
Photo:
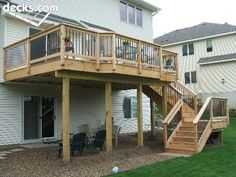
x=189 y=97
x=90 y=46
x=214 y=109
x=171 y=121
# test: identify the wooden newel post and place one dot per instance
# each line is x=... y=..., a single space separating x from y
x=62 y=45
x=66 y=118
x=28 y=55
x=108 y=100
x=195 y=104
x=160 y=56
x=211 y=112
x=140 y=115
x=177 y=66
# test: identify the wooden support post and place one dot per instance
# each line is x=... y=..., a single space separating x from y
x=62 y=45
x=114 y=52
x=160 y=56
x=97 y=51
x=139 y=57
x=66 y=118
x=153 y=117
x=165 y=135
x=140 y=115
x=108 y=98
x=28 y=55
x=164 y=100
x=195 y=104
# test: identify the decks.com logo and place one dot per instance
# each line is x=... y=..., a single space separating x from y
x=29 y=8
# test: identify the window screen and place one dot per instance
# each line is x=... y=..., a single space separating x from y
x=209 y=45
x=139 y=17
x=191 y=49
x=131 y=10
x=187 y=77
x=127 y=107
x=185 y=50
x=123 y=11
x=194 y=77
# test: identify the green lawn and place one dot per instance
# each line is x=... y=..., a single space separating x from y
x=212 y=162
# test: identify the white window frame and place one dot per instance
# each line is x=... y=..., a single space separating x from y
x=135 y=14
x=190 y=77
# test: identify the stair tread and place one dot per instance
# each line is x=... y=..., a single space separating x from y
x=180 y=148
x=177 y=142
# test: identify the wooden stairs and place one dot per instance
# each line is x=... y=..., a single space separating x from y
x=185 y=130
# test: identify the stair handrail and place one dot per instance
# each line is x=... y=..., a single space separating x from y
x=173 y=112
x=199 y=115
x=210 y=101
x=179 y=85
x=169 y=118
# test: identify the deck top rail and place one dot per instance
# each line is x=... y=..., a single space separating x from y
x=75 y=43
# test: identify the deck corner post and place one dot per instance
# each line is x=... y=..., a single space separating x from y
x=160 y=56
x=114 y=52
x=140 y=115
x=62 y=44
x=28 y=55
x=108 y=103
x=139 y=57
x=66 y=118
x=97 y=52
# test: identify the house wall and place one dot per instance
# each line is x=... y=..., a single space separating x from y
x=87 y=107
x=105 y=13
x=209 y=76
x=11 y=95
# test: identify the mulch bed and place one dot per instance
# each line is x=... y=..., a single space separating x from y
x=44 y=162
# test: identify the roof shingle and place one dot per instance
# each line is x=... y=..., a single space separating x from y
x=195 y=32
x=216 y=59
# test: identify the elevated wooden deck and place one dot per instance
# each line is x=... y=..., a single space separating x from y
x=87 y=55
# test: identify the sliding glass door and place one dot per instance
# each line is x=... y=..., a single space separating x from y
x=31 y=117
x=39 y=116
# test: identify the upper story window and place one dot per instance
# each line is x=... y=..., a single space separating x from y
x=190 y=77
x=188 y=49
x=131 y=14
x=123 y=11
x=209 y=45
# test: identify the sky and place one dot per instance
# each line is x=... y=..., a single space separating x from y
x=177 y=14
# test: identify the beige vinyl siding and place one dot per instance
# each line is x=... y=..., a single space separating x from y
x=211 y=77
x=105 y=13
x=129 y=125
x=2 y=40
x=87 y=106
x=221 y=45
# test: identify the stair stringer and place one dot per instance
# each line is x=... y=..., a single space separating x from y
x=173 y=133
x=205 y=136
